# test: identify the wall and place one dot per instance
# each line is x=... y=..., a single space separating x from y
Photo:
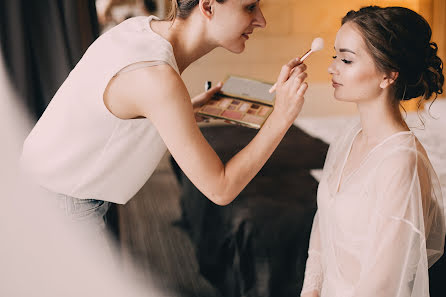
x=291 y=27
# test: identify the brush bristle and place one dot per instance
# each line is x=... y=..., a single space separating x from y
x=317 y=44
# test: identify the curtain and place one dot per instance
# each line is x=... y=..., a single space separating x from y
x=41 y=42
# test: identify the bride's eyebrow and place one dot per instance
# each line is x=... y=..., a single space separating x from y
x=343 y=50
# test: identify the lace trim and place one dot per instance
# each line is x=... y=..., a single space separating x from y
x=312 y=282
x=313 y=273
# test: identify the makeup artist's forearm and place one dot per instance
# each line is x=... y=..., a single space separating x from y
x=242 y=168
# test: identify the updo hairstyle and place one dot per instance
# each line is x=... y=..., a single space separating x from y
x=399 y=40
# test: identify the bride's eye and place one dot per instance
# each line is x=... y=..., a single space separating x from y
x=343 y=60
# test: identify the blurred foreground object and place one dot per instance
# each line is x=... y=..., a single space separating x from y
x=42 y=254
x=113 y=12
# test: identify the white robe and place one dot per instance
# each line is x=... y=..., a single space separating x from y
x=378 y=232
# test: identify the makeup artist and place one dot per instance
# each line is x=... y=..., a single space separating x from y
x=109 y=124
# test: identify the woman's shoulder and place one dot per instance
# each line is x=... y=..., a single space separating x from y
x=135 y=91
x=401 y=153
x=158 y=78
x=135 y=32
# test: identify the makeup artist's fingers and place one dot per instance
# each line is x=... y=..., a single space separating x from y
x=204 y=97
x=298 y=70
x=200 y=118
x=295 y=73
x=286 y=70
x=290 y=94
x=290 y=99
x=293 y=70
x=273 y=88
x=300 y=99
x=301 y=91
x=297 y=81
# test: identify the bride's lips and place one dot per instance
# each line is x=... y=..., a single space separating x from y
x=335 y=84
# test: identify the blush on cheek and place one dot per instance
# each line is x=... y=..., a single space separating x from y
x=361 y=84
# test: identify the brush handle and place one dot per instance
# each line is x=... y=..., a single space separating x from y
x=306 y=55
x=273 y=88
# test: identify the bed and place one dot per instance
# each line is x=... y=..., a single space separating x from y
x=257 y=245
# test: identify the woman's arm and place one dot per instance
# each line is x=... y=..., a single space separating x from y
x=159 y=94
x=394 y=264
x=313 y=270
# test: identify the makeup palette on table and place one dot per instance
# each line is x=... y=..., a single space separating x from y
x=241 y=101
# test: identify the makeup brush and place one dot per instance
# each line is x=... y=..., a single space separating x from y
x=316 y=45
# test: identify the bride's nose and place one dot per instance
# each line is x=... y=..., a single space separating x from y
x=332 y=68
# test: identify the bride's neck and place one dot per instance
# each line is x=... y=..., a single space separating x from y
x=379 y=120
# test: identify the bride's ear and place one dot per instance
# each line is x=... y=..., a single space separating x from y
x=389 y=79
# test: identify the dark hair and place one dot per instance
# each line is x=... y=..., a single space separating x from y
x=399 y=40
x=183 y=8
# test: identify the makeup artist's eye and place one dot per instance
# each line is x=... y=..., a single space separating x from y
x=334 y=57
x=251 y=7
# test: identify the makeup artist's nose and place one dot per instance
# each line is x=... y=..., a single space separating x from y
x=259 y=21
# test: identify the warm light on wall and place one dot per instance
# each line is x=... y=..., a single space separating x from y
x=323 y=18
x=291 y=27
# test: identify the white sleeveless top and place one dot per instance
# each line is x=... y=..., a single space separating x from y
x=78 y=147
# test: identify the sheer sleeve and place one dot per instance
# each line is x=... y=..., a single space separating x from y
x=406 y=229
x=313 y=271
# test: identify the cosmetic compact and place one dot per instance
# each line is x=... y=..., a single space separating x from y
x=242 y=101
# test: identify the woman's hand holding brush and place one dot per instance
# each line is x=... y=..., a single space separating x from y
x=316 y=45
x=291 y=88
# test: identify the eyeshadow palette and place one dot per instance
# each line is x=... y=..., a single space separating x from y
x=241 y=101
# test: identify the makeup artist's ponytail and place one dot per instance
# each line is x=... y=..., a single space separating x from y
x=183 y=8
x=173 y=10
x=399 y=40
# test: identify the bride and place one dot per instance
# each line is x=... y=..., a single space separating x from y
x=380 y=220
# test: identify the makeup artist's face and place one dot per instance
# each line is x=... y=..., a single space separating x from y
x=234 y=21
x=355 y=77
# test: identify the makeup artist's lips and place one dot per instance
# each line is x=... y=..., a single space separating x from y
x=246 y=35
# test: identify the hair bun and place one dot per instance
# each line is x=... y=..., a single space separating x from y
x=434 y=71
x=430 y=80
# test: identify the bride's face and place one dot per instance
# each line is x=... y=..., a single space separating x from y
x=355 y=77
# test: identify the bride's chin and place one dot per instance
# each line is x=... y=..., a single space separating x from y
x=339 y=97
x=336 y=96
